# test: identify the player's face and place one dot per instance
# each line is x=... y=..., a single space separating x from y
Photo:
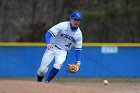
x=75 y=22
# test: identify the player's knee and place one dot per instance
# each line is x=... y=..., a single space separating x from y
x=57 y=65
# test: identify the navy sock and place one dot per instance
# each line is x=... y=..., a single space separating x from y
x=52 y=73
x=39 y=78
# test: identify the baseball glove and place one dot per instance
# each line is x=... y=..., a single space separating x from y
x=73 y=68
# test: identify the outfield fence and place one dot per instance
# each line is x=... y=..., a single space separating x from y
x=98 y=60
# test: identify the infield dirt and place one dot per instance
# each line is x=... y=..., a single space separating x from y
x=26 y=86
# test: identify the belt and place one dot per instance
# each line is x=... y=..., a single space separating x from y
x=57 y=47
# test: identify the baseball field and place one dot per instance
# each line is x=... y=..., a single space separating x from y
x=70 y=85
x=124 y=63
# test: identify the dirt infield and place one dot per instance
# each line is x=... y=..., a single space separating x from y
x=57 y=86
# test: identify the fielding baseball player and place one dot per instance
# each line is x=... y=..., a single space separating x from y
x=59 y=40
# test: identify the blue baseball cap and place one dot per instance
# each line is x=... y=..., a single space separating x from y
x=76 y=15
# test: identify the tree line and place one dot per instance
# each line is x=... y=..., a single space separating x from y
x=104 y=20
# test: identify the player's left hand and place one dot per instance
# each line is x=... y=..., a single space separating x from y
x=73 y=68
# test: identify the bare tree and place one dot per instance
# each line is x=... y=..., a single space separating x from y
x=3 y=18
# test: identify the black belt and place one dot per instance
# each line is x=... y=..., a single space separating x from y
x=57 y=47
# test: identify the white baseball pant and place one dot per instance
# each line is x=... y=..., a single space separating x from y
x=49 y=55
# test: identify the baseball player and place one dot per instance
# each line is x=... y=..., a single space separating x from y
x=59 y=40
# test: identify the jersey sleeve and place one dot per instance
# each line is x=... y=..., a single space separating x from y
x=55 y=29
x=78 y=43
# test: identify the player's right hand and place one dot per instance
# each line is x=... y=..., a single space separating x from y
x=49 y=46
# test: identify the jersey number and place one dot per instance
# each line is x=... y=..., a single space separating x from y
x=68 y=45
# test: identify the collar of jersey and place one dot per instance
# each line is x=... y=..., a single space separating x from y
x=74 y=29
